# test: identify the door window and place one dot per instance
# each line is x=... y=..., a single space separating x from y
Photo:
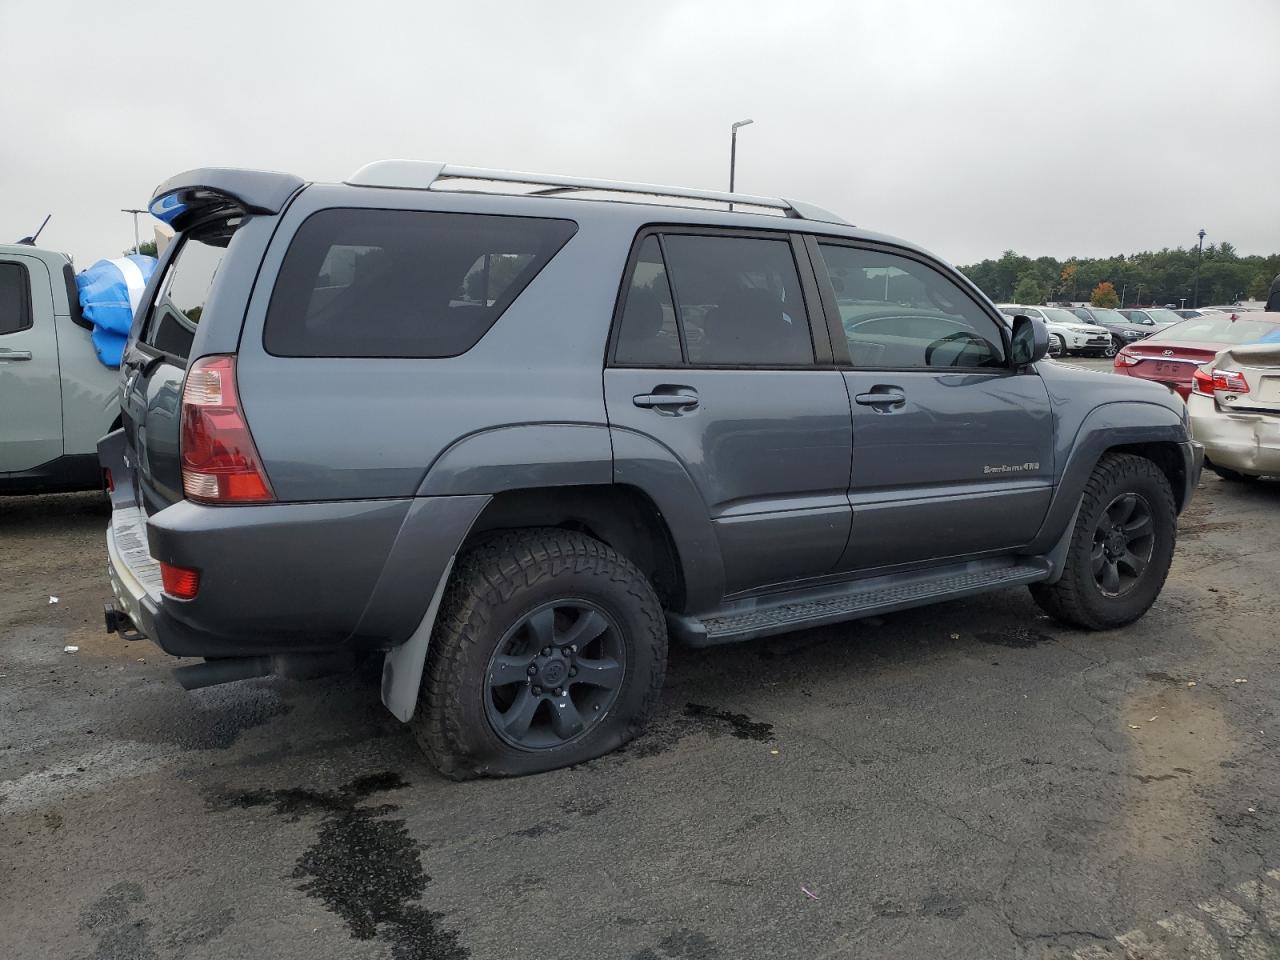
x=899 y=313
x=15 y=299
x=715 y=301
x=171 y=326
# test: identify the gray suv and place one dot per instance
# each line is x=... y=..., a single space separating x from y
x=515 y=432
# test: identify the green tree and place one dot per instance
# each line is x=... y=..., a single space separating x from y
x=1029 y=289
x=1104 y=295
x=147 y=249
x=1259 y=287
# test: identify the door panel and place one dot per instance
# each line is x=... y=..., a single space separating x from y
x=768 y=451
x=962 y=465
x=30 y=391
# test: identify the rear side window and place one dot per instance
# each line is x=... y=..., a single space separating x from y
x=715 y=301
x=15 y=300
x=403 y=283
x=184 y=289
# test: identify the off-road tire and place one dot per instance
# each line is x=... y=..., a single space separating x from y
x=1076 y=598
x=491 y=588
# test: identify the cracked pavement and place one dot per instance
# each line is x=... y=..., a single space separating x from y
x=969 y=780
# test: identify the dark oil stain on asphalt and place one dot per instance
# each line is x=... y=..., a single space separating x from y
x=683 y=944
x=739 y=724
x=120 y=936
x=364 y=867
x=668 y=728
x=1017 y=637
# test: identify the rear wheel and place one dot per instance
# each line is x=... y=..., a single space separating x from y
x=1120 y=550
x=549 y=650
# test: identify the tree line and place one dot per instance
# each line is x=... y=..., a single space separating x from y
x=1150 y=277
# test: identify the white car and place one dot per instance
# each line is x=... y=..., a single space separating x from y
x=1235 y=409
x=1067 y=332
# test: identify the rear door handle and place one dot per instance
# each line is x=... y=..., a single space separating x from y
x=7 y=354
x=665 y=400
x=881 y=397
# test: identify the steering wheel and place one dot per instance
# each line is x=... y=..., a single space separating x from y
x=967 y=336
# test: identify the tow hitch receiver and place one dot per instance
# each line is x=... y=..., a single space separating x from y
x=118 y=622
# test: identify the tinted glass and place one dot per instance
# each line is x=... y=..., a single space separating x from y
x=181 y=298
x=1217 y=328
x=15 y=302
x=1103 y=315
x=739 y=300
x=899 y=313
x=1058 y=315
x=403 y=283
x=648 y=333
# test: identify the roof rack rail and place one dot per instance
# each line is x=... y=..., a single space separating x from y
x=425 y=174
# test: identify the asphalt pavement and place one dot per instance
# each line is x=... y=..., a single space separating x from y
x=970 y=780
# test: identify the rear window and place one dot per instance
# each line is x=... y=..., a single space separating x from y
x=403 y=283
x=184 y=289
x=1217 y=328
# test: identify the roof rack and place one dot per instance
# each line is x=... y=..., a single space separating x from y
x=425 y=174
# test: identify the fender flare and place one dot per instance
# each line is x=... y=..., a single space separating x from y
x=1110 y=425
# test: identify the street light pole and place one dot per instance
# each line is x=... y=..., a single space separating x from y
x=136 y=244
x=1195 y=296
x=733 y=149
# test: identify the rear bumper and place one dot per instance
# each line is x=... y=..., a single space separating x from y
x=1245 y=442
x=281 y=578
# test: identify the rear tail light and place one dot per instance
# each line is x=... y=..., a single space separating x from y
x=1231 y=381
x=1202 y=383
x=179 y=582
x=220 y=463
x=108 y=481
x=1126 y=360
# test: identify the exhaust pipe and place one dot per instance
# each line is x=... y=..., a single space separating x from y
x=293 y=666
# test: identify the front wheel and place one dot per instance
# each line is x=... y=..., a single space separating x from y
x=549 y=650
x=1111 y=350
x=1120 y=550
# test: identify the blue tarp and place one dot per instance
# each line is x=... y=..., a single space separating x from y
x=109 y=294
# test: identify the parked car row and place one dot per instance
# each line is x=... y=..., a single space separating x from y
x=1068 y=333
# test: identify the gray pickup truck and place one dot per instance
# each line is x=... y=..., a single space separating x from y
x=56 y=399
x=513 y=432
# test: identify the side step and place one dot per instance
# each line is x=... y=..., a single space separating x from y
x=832 y=603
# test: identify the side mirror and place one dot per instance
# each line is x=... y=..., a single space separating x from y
x=1030 y=341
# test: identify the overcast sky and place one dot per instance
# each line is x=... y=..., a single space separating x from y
x=1091 y=127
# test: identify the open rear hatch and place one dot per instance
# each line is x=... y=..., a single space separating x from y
x=211 y=210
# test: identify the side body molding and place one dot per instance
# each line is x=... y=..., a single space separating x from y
x=1106 y=426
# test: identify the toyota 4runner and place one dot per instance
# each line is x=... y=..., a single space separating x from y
x=514 y=432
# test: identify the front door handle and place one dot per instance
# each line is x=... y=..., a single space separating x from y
x=7 y=354
x=670 y=401
x=881 y=397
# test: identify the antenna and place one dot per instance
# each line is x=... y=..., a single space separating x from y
x=31 y=240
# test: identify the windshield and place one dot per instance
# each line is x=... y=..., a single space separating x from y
x=1218 y=328
x=1160 y=315
x=1061 y=316
x=1103 y=315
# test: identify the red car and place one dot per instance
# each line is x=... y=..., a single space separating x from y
x=1172 y=356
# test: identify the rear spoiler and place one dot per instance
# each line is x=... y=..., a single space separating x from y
x=221 y=191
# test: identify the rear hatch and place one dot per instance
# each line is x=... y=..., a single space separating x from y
x=194 y=306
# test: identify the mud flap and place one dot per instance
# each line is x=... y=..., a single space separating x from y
x=402 y=667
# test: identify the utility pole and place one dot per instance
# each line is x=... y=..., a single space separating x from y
x=1195 y=296
x=733 y=151
x=136 y=245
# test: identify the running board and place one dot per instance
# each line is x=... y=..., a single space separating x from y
x=832 y=603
